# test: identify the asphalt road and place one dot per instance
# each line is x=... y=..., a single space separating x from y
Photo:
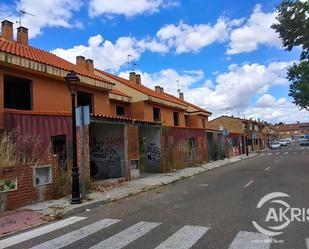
x=213 y=210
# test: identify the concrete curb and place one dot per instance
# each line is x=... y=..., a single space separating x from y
x=92 y=205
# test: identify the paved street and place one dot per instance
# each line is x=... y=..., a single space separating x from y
x=213 y=210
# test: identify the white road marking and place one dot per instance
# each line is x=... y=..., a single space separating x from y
x=184 y=238
x=278 y=153
x=269 y=154
x=286 y=153
x=39 y=231
x=262 y=154
x=127 y=236
x=307 y=242
x=250 y=240
x=76 y=235
x=203 y=185
x=248 y=184
x=268 y=168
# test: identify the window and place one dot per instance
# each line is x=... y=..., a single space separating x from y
x=187 y=120
x=235 y=141
x=8 y=184
x=120 y=111
x=156 y=114
x=203 y=123
x=59 y=149
x=43 y=175
x=176 y=118
x=84 y=99
x=17 y=93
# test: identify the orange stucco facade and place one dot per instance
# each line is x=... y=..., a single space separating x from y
x=50 y=96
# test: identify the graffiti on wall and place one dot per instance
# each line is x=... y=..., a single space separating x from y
x=153 y=152
x=102 y=151
x=106 y=158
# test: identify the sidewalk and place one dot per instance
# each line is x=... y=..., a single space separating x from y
x=56 y=209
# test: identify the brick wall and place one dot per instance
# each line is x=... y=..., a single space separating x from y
x=26 y=192
x=133 y=147
x=176 y=151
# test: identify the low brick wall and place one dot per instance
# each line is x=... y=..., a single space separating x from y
x=27 y=192
x=176 y=150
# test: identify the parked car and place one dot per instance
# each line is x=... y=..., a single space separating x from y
x=275 y=145
x=304 y=142
x=283 y=143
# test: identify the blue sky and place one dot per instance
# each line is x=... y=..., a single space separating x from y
x=223 y=53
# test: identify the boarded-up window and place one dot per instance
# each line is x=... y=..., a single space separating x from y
x=156 y=114
x=17 y=93
x=120 y=110
x=176 y=118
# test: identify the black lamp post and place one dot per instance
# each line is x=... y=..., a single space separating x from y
x=246 y=132
x=72 y=81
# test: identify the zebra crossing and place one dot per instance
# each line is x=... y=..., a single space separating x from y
x=185 y=238
x=289 y=151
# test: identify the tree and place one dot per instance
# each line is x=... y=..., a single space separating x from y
x=293 y=29
x=298 y=75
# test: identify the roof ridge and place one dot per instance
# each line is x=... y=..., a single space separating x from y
x=151 y=92
x=46 y=57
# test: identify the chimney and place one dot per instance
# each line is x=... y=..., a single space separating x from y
x=138 y=79
x=89 y=65
x=22 y=35
x=157 y=89
x=80 y=61
x=133 y=77
x=7 y=30
x=181 y=96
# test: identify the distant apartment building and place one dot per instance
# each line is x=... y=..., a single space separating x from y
x=242 y=134
x=294 y=131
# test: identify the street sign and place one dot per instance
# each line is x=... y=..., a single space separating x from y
x=226 y=132
x=82 y=115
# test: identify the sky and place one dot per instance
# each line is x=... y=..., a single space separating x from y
x=222 y=54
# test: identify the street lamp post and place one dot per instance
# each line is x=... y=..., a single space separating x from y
x=72 y=81
x=246 y=131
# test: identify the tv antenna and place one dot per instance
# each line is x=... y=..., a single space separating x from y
x=134 y=66
x=21 y=14
x=178 y=85
x=129 y=61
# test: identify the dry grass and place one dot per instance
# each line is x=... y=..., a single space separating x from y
x=18 y=150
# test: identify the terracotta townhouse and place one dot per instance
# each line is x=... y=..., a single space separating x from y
x=133 y=129
x=293 y=131
x=241 y=131
x=180 y=141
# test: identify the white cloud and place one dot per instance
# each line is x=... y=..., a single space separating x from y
x=266 y=100
x=56 y=13
x=254 y=32
x=185 y=38
x=127 y=8
x=169 y=78
x=111 y=56
x=106 y=55
x=153 y=45
x=279 y=110
x=235 y=88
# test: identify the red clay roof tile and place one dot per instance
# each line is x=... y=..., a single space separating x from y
x=143 y=89
x=41 y=56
